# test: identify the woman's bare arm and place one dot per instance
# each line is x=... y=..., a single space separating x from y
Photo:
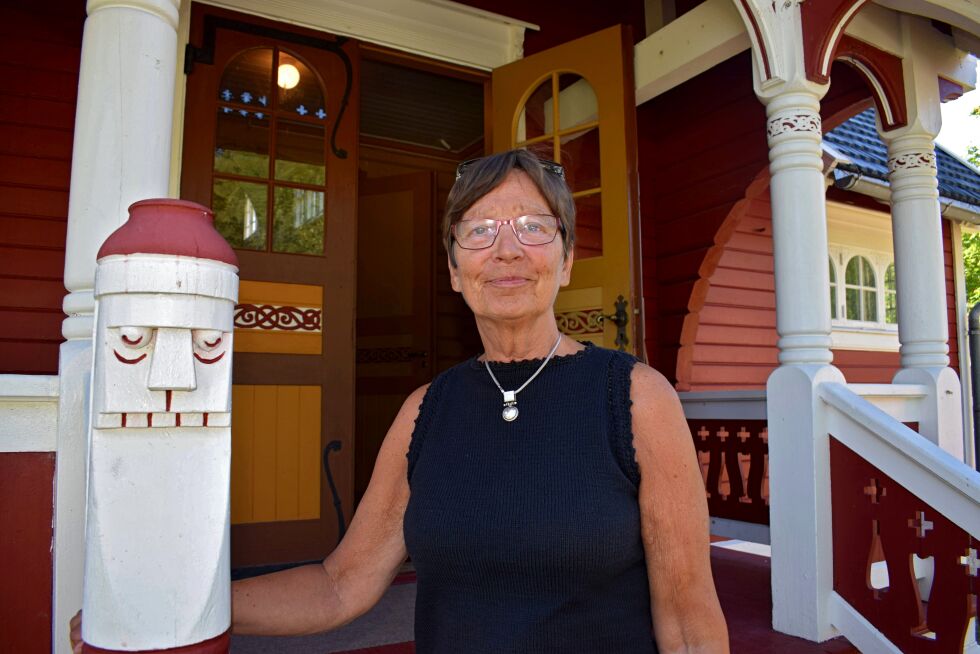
x=353 y=577
x=687 y=617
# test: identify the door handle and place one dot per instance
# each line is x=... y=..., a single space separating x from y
x=621 y=318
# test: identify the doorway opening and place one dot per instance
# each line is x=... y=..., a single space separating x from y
x=418 y=120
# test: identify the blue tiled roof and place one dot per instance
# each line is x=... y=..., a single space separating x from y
x=858 y=140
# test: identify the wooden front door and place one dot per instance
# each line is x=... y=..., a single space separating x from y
x=270 y=144
x=394 y=304
x=575 y=104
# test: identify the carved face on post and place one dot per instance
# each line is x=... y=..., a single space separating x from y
x=157 y=523
x=162 y=366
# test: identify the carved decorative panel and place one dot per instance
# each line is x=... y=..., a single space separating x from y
x=904 y=566
x=734 y=459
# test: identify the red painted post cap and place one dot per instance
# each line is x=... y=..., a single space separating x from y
x=166 y=226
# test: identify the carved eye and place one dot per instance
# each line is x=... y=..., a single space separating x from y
x=207 y=339
x=136 y=337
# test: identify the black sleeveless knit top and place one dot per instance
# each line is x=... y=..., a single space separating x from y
x=526 y=535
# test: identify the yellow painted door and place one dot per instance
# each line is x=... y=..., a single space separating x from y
x=575 y=104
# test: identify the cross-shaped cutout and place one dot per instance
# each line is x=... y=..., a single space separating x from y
x=743 y=434
x=723 y=434
x=703 y=433
x=971 y=562
x=874 y=491
x=920 y=524
x=765 y=435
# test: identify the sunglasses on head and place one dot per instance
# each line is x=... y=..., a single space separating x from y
x=552 y=167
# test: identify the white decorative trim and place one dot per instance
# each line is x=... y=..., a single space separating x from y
x=742 y=531
x=912 y=160
x=798 y=122
x=733 y=405
x=856 y=628
x=28 y=413
x=835 y=37
x=847 y=337
x=438 y=29
x=687 y=46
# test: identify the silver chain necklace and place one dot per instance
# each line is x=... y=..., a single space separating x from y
x=510 y=411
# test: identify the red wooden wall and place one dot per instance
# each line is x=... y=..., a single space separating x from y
x=734 y=343
x=40 y=45
x=700 y=145
x=26 y=507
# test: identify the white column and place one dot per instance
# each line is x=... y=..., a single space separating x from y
x=799 y=467
x=799 y=228
x=923 y=328
x=121 y=153
x=919 y=266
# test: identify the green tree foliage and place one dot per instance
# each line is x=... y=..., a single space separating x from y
x=971 y=266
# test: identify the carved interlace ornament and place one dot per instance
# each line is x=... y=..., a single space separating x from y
x=793 y=123
x=269 y=317
x=912 y=160
x=574 y=323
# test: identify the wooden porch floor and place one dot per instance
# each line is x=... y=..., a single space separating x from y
x=742 y=580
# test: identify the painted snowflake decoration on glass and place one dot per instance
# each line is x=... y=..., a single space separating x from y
x=243 y=112
x=259 y=115
x=227 y=95
x=302 y=110
x=246 y=97
x=320 y=113
x=219 y=152
x=226 y=110
x=263 y=100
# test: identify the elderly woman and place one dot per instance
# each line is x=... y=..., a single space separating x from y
x=547 y=492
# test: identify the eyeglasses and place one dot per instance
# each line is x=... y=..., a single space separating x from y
x=552 y=167
x=481 y=233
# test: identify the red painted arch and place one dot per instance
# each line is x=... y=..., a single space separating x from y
x=823 y=29
x=882 y=71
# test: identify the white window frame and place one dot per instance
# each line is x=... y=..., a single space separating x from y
x=861 y=334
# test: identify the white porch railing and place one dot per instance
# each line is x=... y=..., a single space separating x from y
x=906 y=520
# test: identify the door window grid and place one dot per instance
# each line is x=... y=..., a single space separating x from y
x=288 y=188
x=561 y=115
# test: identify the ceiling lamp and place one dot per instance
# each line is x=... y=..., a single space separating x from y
x=288 y=76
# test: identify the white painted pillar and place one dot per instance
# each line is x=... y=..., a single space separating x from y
x=121 y=153
x=920 y=279
x=799 y=227
x=799 y=466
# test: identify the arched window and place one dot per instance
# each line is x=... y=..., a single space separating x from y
x=891 y=298
x=567 y=131
x=833 y=289
x=861 y=293
x=270 y=157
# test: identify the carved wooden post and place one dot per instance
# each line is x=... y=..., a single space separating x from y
x=157 y=557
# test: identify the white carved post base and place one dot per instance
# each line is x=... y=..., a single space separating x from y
x=921 y=286
x=157 y=552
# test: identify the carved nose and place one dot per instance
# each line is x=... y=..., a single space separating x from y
x=172 y=361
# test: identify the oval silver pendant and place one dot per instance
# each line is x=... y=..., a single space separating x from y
x=509 y=413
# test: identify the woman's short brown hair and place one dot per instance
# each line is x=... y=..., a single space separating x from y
x=481 y=176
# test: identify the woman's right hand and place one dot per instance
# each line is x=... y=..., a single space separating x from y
x=75 y=633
